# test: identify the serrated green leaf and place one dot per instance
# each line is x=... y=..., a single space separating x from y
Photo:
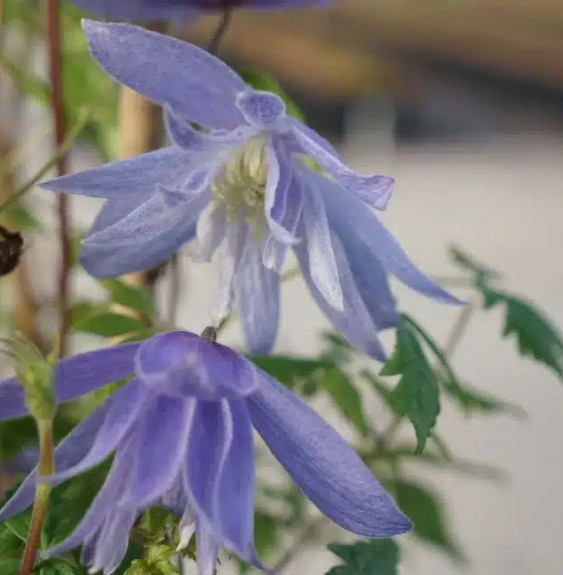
x=132 y=297
x=108 y=324
x=426 y=511
x=375 y=557
x=480 y=271
x=471 y=400
x=466 y=397
x=261 y=81
x=346 y=397
x=535 y=334
x=417 y=394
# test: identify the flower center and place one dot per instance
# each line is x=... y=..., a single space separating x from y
x=241 y=182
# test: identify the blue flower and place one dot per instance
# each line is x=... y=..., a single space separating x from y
x=181 y=431
x=166 y=9
x=241 y=186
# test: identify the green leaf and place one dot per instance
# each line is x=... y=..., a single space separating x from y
x=266 y=534
x=425 y=509
x=290 y=370
x=21 y=218
x=535 y=334
x=346 y=397
x=132 y=297
x=261 y=81
x=9 y=566
x=470 y=399
x=338 y=350
x=108 y=324
x=58 y=567
x=375 y=557
x=481 y=272
x=466 y=397
x=417 y=394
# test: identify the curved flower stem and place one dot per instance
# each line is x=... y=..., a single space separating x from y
x=227 y=13
x=55 y=75
x=45 y=467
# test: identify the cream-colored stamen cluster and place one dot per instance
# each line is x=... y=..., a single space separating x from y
x=241 y=182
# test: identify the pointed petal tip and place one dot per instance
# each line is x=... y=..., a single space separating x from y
x=387 y=185
x=90 y=26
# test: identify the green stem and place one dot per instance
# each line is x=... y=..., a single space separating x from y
x=45 y=467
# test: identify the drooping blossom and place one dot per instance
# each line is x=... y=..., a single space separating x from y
x=168 y=9
x=240 y=187
x=181 y=433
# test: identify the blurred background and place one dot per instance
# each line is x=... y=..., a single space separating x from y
x=461 y=102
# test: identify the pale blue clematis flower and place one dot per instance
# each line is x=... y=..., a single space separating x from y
x=181 y=432
x=241 y=188
x=168 y=9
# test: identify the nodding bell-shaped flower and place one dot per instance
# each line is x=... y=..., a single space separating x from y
x=181 y=433
x=168 y=9
x=240 y=188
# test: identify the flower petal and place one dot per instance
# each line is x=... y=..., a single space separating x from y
x=168 y=71
x=104 y=502
x=116 y=209
x=219 y=472
x=277 y=185
x=143 y=239
x=261 y=109
x=323 y=265
x=113 y=540
x=132 y=177
x=163 y=435
x=207 y=550
x=373 y=190
x=185 y=136
x=70 y=451
x=231 y=251
x=210 y=439
x=257 y=292
x=328 y=471
x=74 y=376
x=343 y=209
x=210 y=231
x=234 y=504
x=355 y=321
x=125 y=405
x=180 y=363
x=291 y=207
x=145 y=222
